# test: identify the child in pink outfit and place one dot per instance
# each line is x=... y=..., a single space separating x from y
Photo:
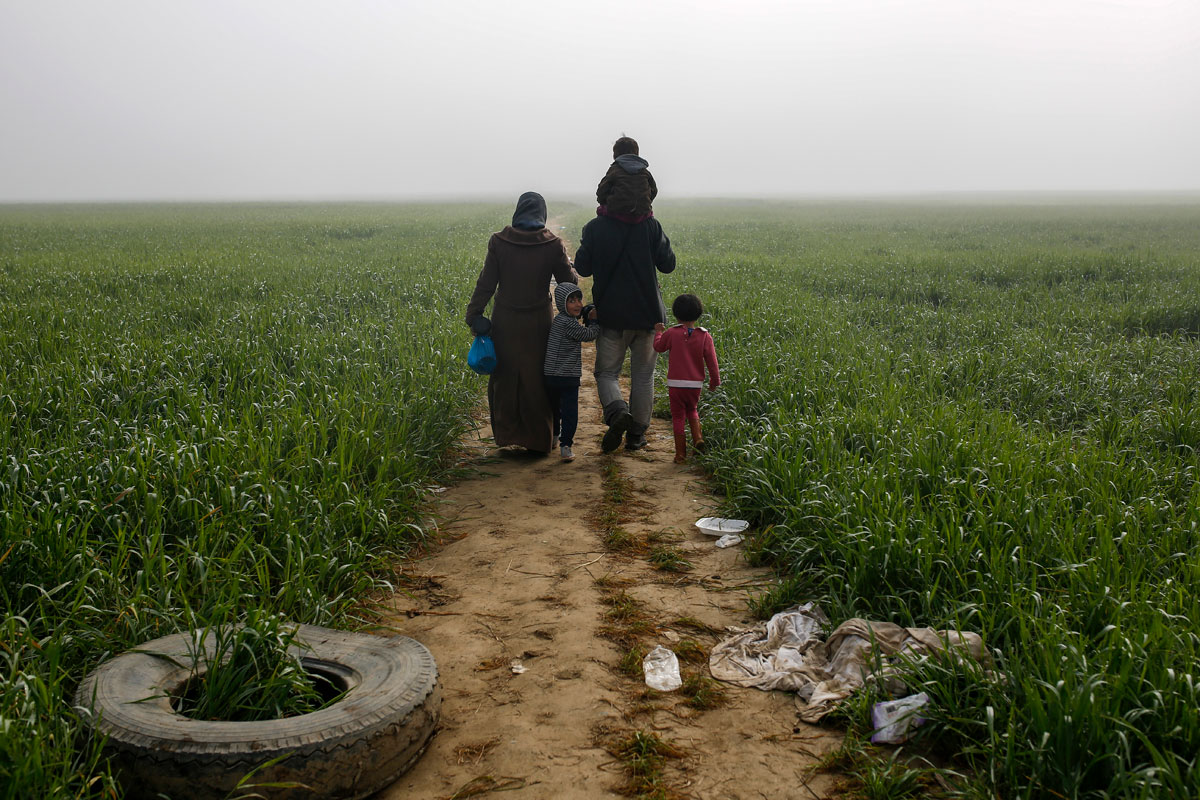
x=691 y=351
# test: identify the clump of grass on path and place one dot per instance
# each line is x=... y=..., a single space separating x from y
x=668 y=559
x=701 y=692
x=643 y=757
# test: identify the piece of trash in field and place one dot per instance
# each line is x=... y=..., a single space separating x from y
x=894 y=720
x=437 y=489
x=661 y=668
x=518 y=668
x=729 y=540
x=716 y=526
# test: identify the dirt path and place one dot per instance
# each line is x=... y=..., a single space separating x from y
x=529 y=612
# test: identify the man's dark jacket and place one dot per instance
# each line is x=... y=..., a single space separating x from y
x=622 y=259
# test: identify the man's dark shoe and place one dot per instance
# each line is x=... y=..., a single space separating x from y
x=635 y=441
x=616 y=429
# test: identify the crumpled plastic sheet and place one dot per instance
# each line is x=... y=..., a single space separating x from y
x=787 y=652
x=894 y=720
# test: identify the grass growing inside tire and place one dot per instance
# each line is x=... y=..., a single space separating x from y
x=248 y=673
x=348 y=749
x=207 y=410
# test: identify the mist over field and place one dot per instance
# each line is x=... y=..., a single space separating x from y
x=136 y=100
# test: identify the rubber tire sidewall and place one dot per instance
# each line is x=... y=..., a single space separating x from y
x=348 y=750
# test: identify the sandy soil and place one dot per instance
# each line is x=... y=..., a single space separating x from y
x=519 y=583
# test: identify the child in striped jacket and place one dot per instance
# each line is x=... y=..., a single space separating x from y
x=564 y=362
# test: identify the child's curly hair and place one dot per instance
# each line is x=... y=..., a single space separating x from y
x=687 y=308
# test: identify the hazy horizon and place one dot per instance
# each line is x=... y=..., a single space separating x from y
x=135 y=100
x=931 y=198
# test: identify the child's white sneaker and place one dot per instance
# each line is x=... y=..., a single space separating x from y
x=566 y=453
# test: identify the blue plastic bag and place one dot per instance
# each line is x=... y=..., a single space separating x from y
x=482 y=355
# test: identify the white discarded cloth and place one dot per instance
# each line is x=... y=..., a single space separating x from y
x=894 y=720
x=788 y=653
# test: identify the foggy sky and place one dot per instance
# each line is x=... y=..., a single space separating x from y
x=295 y=99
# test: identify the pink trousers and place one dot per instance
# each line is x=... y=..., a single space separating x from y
x=684 y=406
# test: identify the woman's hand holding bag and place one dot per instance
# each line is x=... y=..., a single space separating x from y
x=482 y=355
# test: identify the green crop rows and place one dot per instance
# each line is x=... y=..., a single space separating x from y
x=981 y=417
x=206 y=411
x=984 y=418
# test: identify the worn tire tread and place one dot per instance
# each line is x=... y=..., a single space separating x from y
x=348 y=750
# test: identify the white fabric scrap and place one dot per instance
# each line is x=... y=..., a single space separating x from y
x=894 y=720
x=788 y=653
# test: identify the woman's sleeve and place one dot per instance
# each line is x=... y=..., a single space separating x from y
x=485 y=286
x=563 y=271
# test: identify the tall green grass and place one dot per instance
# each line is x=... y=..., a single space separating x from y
x=981 y=417
x=207 y=412
x=984 y=418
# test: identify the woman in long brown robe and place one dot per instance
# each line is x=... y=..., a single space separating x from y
x=521 y=259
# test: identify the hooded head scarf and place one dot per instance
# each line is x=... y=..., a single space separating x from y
x=531 y=212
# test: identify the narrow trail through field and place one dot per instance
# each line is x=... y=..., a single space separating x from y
x=529 y=612
x=523 y=582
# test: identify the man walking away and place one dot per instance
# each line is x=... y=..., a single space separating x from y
x=622 y=258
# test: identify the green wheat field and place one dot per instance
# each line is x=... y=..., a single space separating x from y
x=955 y=414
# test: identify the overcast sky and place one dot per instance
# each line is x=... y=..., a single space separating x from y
x=281 y=99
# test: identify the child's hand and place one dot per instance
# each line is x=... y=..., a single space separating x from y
x=712 y=387
x=659 y=327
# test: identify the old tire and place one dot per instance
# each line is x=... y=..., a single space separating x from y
x=348 y=750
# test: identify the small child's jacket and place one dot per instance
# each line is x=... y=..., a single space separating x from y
x=628 y=187
x=564 y=356
x=691 y=351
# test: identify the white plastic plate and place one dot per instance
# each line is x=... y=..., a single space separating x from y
x=716 y=526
